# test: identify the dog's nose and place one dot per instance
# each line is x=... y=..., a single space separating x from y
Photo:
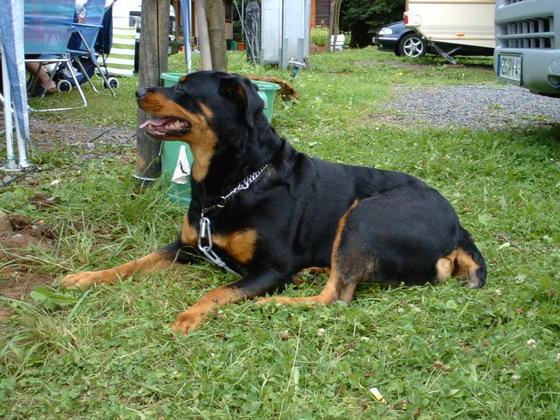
x=140 y=93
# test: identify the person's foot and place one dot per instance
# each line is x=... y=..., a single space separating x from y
x=38 y=90
x=52 y=88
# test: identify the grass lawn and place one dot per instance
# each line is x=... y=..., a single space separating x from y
x=431 y=351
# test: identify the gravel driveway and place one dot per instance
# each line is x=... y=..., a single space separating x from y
x=473 y=107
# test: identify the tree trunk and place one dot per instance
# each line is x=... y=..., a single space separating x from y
x=215 y=14
x=202 y=27
x=152 y=61
x=334 y=26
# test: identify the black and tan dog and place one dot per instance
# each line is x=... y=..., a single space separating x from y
x=271 y=211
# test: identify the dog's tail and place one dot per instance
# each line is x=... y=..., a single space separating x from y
x=471 y=265
x=287 y=92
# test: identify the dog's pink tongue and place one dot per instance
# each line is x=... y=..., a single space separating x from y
x=157 y=122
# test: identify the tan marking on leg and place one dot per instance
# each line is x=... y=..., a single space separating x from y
x=189 y=235
x=466 y=267
x=457 y=264
x=192 y=318
x=152 y=262
x=444 y=268
x=328 y=295
x=347 y=292
x=335 y=288
x=338 y=236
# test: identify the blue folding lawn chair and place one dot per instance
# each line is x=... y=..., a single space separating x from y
x=47 y=30
x=88 y=32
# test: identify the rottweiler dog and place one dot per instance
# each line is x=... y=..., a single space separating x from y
x=266 y=211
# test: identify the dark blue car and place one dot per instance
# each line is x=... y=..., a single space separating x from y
x=401 y=40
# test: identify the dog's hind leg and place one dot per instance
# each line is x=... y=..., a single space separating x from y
x=470 y=267
x=465 y=262
x=349 y=265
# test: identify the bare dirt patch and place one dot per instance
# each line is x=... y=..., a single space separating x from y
x=16 y=284
x=17 y=234
x=47 y=135
x=83 y=143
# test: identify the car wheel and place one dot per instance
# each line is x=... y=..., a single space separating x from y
x=411 y=45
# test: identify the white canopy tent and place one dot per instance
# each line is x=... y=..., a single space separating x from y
x=13 y=80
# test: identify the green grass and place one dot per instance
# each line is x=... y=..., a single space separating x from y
x=438 y=352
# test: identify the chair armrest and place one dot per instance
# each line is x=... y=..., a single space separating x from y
x=86 y=25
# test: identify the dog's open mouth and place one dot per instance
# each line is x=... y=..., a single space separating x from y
x=168 y=126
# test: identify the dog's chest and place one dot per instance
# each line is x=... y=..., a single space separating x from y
x=239 y=245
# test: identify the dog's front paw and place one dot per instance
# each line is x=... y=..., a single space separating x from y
x=187 y=322
x=86 y=279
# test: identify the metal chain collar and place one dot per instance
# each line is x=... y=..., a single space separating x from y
x=243 y=185
x=205 y=243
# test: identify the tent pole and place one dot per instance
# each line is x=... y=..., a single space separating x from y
x=8 y=114
x=187 y=17
x=22 y=147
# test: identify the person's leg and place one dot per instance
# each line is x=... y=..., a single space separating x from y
x=43 y=77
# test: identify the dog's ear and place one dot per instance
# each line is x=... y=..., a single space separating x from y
x=244 y=94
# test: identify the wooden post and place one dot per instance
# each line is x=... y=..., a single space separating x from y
x=203 y=41
x=313 y=13
x=215 y=14
x=178 y=17
x=334 y=19
x=152 y=61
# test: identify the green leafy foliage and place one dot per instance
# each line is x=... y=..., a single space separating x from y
x=364 y=17
x=320 y=35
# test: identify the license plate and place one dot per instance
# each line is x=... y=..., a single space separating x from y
x=509 y=67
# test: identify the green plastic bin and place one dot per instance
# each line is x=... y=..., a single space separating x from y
x=177 y=193
x=267 y=92
x=181 y=193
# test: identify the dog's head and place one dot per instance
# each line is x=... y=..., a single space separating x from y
x=217 y=114
x=201 y=102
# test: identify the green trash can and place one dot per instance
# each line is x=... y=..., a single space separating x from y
x=172 y=159
x=267 y=92
x=176 y=156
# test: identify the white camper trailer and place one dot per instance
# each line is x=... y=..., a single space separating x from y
x=452 y=27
